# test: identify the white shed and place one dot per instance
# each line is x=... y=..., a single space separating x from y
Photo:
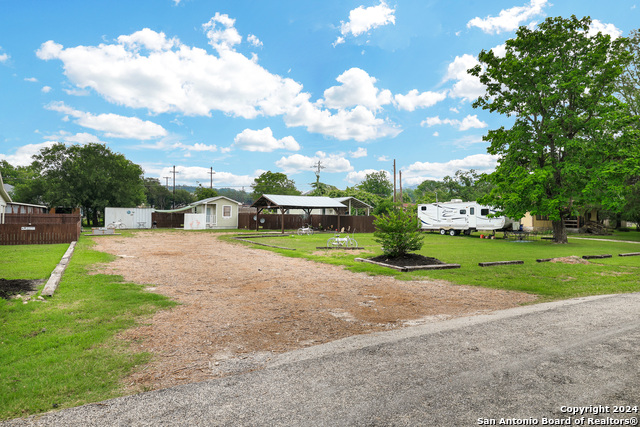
x=130 y=217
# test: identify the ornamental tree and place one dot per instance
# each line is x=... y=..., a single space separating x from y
x=569 y=129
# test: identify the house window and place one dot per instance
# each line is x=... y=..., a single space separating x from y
x=484 y=212
x=542 y=218
x=226 y=211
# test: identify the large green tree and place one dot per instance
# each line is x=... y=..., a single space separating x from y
x=273 y=183
x=202 y=193
x=90 y=176
x=628 y=88
x=158 y=196
x=377 y=183
x=558 y=83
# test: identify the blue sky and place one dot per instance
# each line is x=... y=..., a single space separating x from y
x=249 y=86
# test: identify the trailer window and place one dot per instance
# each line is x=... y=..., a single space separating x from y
x=484 y=212
x=424 y=208
x=472 y=211
x=463 y=211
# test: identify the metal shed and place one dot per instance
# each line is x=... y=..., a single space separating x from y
x=130 y=217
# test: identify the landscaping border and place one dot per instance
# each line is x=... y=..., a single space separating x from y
x=410 y=268
x=54 y=280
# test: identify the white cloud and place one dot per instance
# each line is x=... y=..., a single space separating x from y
x=149 y=70
x=113 y=125
x=22 y=155
x=363 y=19
x=509 y=19
x=31 y=79
x=413 y=99
x=357 y=177
x=467 y=86
x=222 y=38
x=383 y=159
x=77 y=138
x=358 y=88
x=600 y=27
x=254 y=40
x=3 y=56
x=338 y=41
x=419 y=171
x=436 y=134
x=263 y=141
x=46 y=89
x=360 y=152
x=334 y=163
x=469 y=122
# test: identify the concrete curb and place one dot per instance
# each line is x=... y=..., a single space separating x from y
x=54 y=280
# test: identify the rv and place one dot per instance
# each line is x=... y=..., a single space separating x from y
x=457 y=216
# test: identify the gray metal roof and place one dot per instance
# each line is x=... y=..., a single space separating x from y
x=303 y=202
x=355 y=203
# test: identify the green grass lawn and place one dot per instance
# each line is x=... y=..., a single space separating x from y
x=62 y=352
x=548 y=280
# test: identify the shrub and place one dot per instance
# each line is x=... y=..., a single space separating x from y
x=398 y=232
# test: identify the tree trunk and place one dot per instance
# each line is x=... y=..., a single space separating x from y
x=559 y=232
x=94 y=217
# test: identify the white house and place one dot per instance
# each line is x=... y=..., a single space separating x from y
x=215 y=212
x=4 y=199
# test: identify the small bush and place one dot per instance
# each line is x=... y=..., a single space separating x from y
x=398 y=232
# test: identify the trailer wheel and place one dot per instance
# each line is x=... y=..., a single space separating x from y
x=453 y=232
x=467 y=232
x=443 y=231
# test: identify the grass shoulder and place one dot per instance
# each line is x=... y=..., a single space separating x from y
x=62 y=352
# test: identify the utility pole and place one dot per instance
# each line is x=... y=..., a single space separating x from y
x=212 y=173
x=394 y=180
x=401 y=199
x=174 y=185
x=318 y=166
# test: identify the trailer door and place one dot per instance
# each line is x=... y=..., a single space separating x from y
x=472 y=217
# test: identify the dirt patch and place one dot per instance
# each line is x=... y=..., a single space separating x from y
x=573 y=259
x=239 y=306
x=407 y=260
x=11 y=288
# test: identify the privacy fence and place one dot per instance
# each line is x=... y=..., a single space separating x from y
x=40 y=229
x=361 y=223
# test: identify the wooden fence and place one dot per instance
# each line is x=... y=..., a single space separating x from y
x=362 y=224
x=40 y=229
x=167 y=220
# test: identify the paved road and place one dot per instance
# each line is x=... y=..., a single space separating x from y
x=525 y=363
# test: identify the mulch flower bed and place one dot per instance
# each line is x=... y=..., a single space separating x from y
x=407 y=260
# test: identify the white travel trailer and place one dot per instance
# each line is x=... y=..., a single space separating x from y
x=457 y=216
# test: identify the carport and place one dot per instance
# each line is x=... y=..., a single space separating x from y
x=305 y=203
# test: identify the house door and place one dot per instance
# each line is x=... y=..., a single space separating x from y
x=211 y=215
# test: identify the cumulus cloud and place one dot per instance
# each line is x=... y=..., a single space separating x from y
x=45 y=89
x=263 y=140
x=71 y=138
x=3 y=56
x=113 y=125
x=466 y=86
x=334 y=163
x=362 y=19
x=509 y=19
x=22 y=155
x=419 y=171
x=357 y=177
x=413 y=99
x=358 y=88
x=31 y=79
x=149 y=70
x=360 y=152
x=254 y=40
x=469 y=122
x=600 y=27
